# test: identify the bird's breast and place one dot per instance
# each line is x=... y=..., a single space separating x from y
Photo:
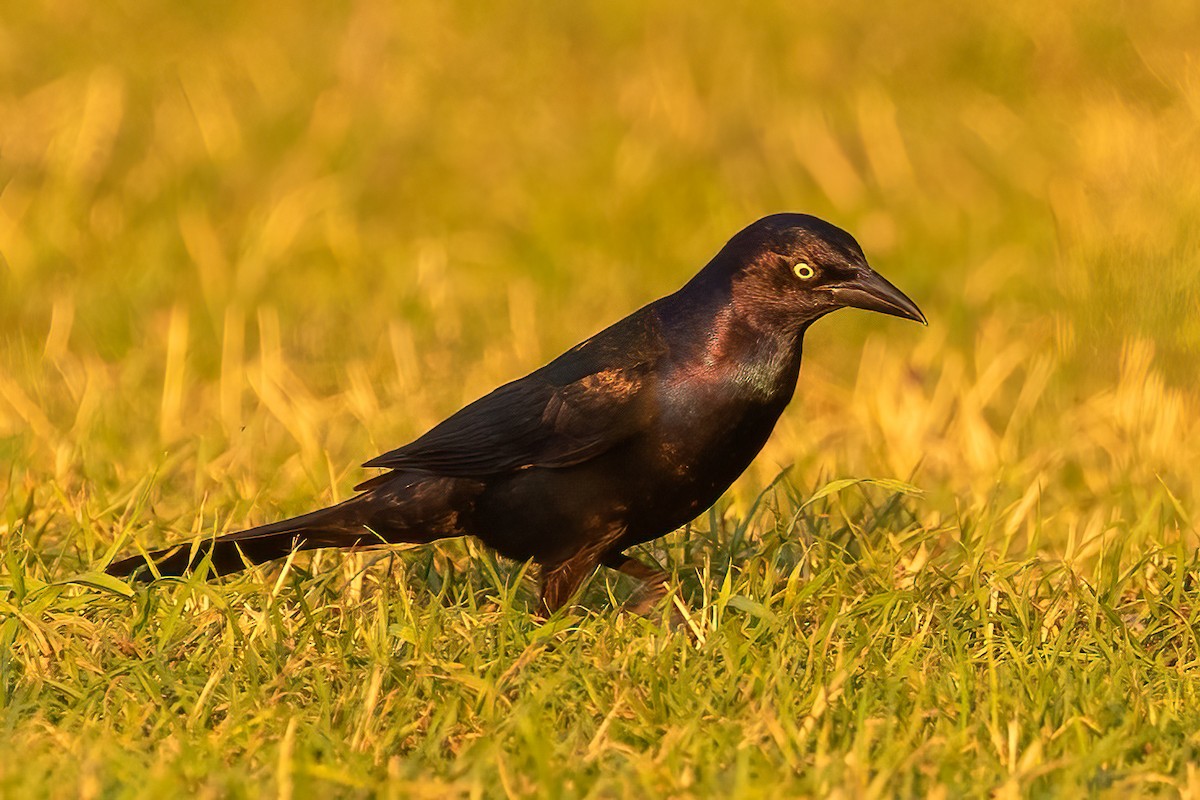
x=725 y=421
x=711 y=424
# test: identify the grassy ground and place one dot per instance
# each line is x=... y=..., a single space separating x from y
x=246 y=248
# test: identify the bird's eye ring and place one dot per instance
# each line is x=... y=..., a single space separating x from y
x=803 y=271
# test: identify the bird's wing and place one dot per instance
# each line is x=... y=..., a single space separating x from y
x=580 y=405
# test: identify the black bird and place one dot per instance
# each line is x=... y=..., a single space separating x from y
x=621 y=439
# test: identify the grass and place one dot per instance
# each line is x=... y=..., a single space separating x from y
x=246 y=248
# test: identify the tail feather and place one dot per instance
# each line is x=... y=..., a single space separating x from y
x=343 y=526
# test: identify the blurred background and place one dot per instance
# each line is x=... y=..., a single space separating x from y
x=247 y=246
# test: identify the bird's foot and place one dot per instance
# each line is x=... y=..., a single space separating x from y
x=652 y=589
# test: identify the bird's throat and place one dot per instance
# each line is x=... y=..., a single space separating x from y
x=760 y=365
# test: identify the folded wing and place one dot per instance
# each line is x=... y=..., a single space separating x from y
x=579 y=406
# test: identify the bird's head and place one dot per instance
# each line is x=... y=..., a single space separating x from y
x=791 y=269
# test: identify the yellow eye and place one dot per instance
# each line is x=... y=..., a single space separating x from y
x=803 y=271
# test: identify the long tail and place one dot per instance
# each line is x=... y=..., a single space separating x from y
x=343 y=525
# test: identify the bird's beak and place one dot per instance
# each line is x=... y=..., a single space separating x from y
x=870 y=291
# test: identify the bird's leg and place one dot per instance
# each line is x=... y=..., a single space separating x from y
x=652 y=583
x=561 y=581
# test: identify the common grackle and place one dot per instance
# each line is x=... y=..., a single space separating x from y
x=621 y=439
